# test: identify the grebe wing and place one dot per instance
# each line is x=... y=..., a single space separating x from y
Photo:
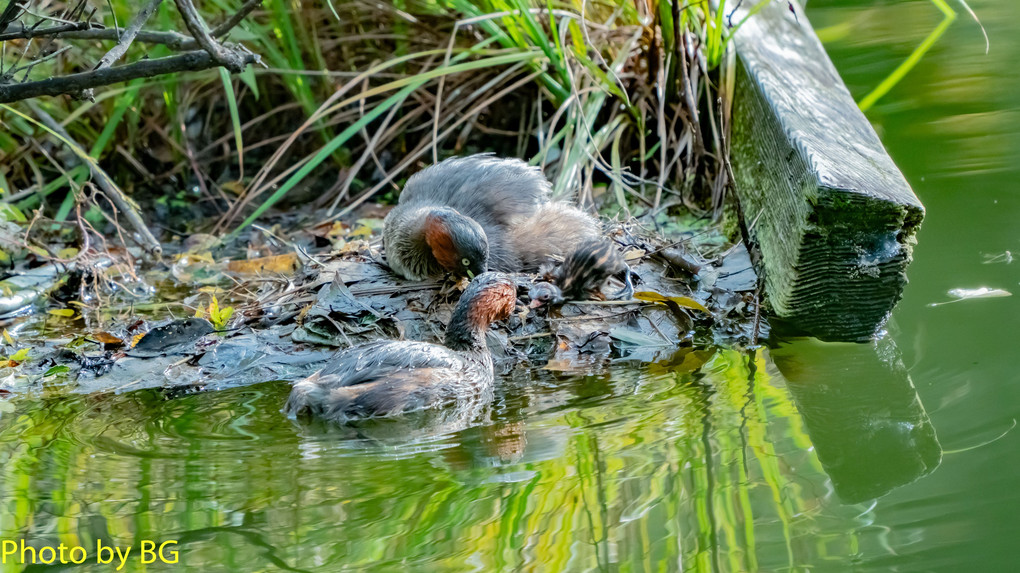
x=381 y=359
x=489 y=189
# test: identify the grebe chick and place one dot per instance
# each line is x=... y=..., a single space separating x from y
x=583 y=273
x=386 y=378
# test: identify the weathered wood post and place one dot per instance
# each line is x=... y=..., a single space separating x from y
x=828 y=215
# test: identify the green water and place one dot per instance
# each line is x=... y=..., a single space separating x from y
x=715 y=461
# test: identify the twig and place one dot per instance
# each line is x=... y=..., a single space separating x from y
x=33 y=32
x=123 y=203
x=28 y=67
x=118 y=51
x=530 y=336
x=93 y=31
x=236 y=18
x=73 y=83
x=196 y=25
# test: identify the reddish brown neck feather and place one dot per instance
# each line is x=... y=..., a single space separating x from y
x=491 y=305
x=438 y=238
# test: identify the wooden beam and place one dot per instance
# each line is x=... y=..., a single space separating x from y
x=827 y=213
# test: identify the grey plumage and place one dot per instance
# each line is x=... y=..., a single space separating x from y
x=506 y=198
x=386 y=378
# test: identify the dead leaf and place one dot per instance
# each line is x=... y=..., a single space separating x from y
x=636 y=338
x=633 y=255
x=282 y=264
x=235 y=187
x=107 y=338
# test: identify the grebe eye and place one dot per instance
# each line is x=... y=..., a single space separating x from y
x=466 y=262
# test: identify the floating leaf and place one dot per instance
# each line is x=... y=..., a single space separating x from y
x=68 y=253
x=683 y=301
x=20 y=356
x=58 y=369
x=7 y=338
x=64 y=312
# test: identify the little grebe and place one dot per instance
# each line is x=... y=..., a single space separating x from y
x=467 y=215
x=583 y=272
x=386 y=378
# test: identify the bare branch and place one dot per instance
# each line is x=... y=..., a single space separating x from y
x=93 y=31
x=25 y=33
x=73 y=83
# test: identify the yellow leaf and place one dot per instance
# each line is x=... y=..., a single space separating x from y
x=195 y=258
x=136 y=338
x=64 y=312
x=362 y=231
x=683 y=301
x=336 y=230
x=7 y=338
x=68 y=253
x=20 y=356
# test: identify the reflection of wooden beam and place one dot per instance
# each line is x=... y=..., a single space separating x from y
x=830 y=217
x=865 y=420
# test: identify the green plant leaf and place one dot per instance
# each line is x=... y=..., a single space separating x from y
x=235 y=119
x=58 y=369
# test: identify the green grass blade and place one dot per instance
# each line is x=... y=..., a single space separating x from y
x=235 y=119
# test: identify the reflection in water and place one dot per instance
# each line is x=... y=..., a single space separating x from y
x=862 y=413
x=699 y=462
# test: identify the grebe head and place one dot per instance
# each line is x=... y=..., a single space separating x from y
x=490 y=297
x=544 y=293
x=457 y=242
